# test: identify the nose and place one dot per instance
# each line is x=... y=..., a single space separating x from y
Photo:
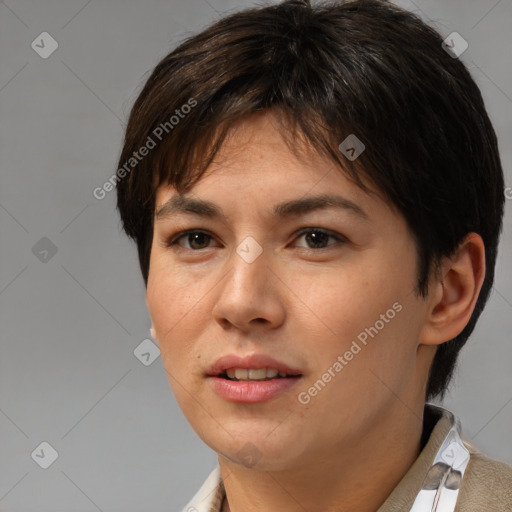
x=251 y=294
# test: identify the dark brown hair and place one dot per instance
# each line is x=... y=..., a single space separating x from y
x=363 y=67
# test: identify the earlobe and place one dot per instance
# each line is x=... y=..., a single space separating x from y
x=455 y=292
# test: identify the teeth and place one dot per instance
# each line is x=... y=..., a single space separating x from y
x=272 y=372
x=257 y=374
x=241 y=374
x=230 y=373
x=253 y=374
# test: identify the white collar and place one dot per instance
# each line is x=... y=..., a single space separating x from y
x=440 y=488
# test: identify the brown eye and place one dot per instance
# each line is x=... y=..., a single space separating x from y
x=197 y=240
x=318 y=238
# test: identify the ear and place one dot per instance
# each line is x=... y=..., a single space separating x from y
x=453 y=292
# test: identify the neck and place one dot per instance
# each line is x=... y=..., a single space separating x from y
x=358 y=475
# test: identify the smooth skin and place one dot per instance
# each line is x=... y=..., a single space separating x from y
x=303 y=301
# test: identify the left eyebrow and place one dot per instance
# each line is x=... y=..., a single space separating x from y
x=291 y=208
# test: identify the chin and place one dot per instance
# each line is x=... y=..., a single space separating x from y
x=257 y=451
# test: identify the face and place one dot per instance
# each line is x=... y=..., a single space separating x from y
x=324 y=293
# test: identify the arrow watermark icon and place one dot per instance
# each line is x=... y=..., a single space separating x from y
x=44 y=45
x=249 y=249
x=352 y=147
x=44 y=250
x=455 y=45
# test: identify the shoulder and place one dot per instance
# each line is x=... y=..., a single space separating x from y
x=487 y=484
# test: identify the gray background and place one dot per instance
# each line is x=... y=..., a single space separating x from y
x=71 y=321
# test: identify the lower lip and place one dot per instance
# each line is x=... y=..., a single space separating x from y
x=250 y=392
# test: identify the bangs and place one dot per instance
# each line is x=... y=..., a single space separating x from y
x=185 y=156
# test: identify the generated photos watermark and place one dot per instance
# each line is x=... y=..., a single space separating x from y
x=304 y=397
x=157 y=135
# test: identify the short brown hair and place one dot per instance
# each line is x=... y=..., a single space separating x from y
x=363 y=67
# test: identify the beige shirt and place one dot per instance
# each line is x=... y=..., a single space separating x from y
x=486 y=485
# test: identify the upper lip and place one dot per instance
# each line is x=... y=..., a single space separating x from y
x=253 y=361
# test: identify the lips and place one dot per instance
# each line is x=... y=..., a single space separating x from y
x=252 y=362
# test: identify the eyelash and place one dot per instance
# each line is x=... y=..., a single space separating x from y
x=173 y=242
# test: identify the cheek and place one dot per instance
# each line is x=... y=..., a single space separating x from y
x=175 y=305
x=342 y=304
x=362 y=316
x=177 y=313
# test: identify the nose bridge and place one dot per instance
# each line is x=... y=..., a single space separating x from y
x=246 y=294
x=249 y=262
x=249 y=250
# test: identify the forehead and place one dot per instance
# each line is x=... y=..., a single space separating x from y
x=259 y=159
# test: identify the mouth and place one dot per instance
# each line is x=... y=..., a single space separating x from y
x=251 y=367
x=255 y=374
x=251 y=379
